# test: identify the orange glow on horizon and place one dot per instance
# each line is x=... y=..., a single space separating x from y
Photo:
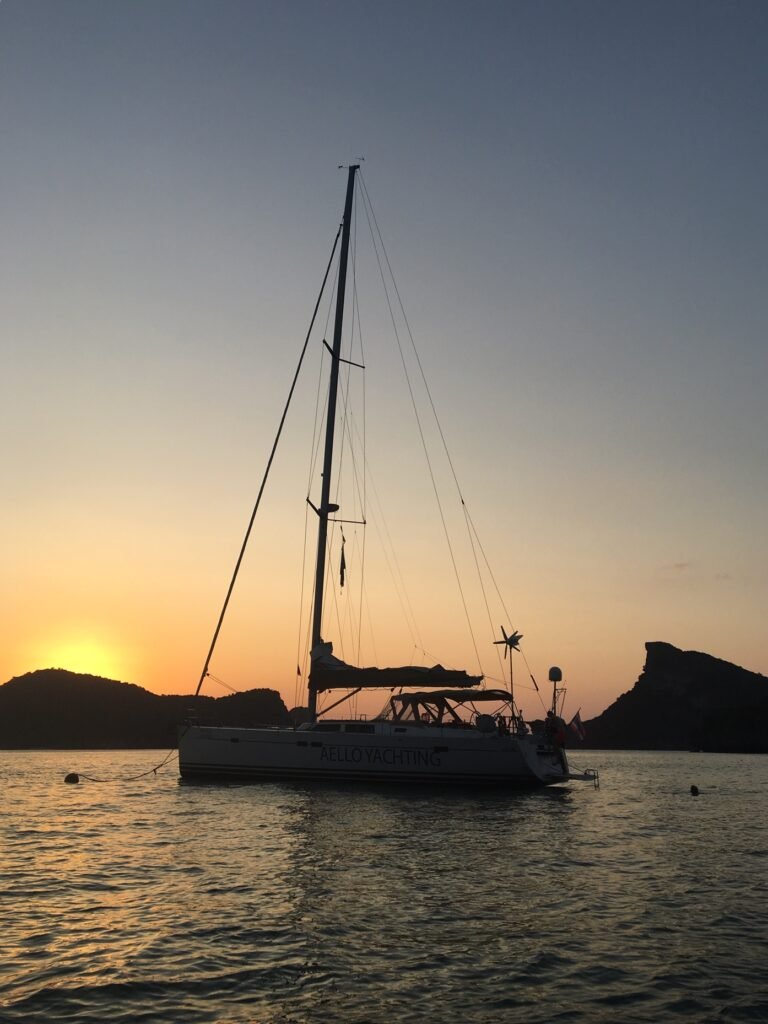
x=88 y=652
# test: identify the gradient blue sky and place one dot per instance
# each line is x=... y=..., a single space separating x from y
x=573 y=195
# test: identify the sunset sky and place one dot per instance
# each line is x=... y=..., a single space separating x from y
x=573 y=199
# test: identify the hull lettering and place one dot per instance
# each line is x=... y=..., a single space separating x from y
x=391 y=757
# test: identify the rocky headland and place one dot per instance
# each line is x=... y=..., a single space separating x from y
x=685 y=700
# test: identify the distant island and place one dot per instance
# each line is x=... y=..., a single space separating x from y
x=57 y=709
x=683 y=700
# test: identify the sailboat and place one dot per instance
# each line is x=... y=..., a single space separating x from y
x=439 y=725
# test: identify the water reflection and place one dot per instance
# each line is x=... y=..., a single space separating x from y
x=396 y=885
x=297 y=903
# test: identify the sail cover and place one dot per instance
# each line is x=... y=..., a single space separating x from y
x=331 y=673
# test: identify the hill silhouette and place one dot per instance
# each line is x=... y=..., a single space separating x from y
x=685 y=700
x=57 y=709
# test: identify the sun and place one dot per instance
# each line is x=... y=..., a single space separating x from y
x=88 y=656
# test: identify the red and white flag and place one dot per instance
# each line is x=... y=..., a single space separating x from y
x=577 y=726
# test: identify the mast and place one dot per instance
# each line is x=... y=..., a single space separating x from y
x=325 y=507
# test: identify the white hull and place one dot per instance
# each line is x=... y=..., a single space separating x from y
x=369 y=752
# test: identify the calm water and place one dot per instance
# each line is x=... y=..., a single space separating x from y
x=152 y=901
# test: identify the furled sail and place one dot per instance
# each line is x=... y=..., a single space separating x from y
x=331 y=673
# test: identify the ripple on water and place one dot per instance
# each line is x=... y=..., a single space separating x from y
x=302 y=905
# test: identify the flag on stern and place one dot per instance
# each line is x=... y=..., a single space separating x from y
x=577 y=725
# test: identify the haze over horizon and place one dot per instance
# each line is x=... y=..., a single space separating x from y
x=573 y=198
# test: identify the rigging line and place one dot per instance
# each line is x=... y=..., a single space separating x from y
x=369 y=619
x=361 y=492
x=133 y=778
x=434 y=658
x=345 y=382
x=364 y=497
x=317 y=429
x=418 y=651
x=535 y=684
x=204 y=673
x=358 y=546
x=468 y=517
x=471 y=524
x=388 y=548
x=501 y=599
x=396 y=574
x=369 y=214
x=348 y=425
x=518 y=685
x=439 y=425
x=365 y=485
x=356 y=631
x=316 y=447
x=232 y=689
x=302 y=585
x=345 y=438
x=389 y=552
x=339 y=462
x=482 y=586
x=340 y=617
x=329 y=554
x=331 y=295
x=301 y=662
x=351 y=430
x=306 y=663
x=352 y=605
x=319 y=417
x=328 y=581
x=302 y=659
x=410 y=335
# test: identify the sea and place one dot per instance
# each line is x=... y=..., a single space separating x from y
x=138 y=898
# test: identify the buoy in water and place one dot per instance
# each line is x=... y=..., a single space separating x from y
x=73 y=778
x=694 y=790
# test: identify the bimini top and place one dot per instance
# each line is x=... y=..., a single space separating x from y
x=331 y=673
x=443 y=706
